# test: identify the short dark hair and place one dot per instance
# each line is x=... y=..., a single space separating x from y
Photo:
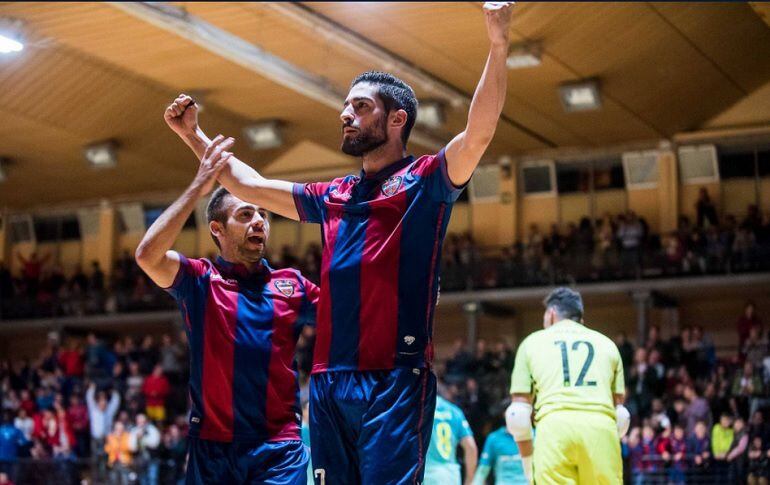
x=395 y=94
x=567 y=302
x=216 y=211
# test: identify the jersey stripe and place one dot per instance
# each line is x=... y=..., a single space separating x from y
x=282 y=380
x=379 y=301
x=218 y=347
x=324 y=318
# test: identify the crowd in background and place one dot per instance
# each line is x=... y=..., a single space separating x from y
x=116 y=410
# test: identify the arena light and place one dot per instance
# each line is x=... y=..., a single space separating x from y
x=264 y=135
x=9 y=45
x=430 y=114
x=580 y=96
x=102 y=155
x=528 y=54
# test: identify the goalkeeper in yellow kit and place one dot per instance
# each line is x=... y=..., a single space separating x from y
x=574 y=376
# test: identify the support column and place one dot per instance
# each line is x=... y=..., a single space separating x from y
x=642 y=300
x=107 y=237
x=668 y=191
x=471 y=310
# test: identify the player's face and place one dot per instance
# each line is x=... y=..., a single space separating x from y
x=244 y=237
x=364 y=121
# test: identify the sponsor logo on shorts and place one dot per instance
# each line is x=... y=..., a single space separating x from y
x=409 y=340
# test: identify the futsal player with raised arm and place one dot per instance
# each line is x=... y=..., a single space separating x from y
x=372 y=391
x=574 y=375
x=242 y=320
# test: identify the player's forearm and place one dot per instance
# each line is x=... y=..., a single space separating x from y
x=247 y=184
x=489 y=98
x=162 y=234
x=480 y=477
x=471 y=461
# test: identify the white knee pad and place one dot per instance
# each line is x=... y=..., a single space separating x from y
x=518 y=420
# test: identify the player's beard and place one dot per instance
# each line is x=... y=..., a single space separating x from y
x=249 y=255
x=366 y=140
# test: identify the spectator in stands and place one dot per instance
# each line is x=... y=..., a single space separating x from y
x=705 y=209
x=721 y=440
x=101 y=414
x=174 y=453
x=630 y=234
x=144 y=442
x=11 y=440
x=32 y=269
x=77 y=416
x=677 y=456
x=155 y=390
x=736 y=457
x=754 y=349
x=746 y=322
x=699 y=446
x=758 y=463
x=118 y=449
x=697 y=409
x=747 y=385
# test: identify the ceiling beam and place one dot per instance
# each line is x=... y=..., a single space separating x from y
x=250 y=56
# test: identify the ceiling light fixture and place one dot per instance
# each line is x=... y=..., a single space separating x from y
x=580 y=96
x=264 y=135
x=527 y=54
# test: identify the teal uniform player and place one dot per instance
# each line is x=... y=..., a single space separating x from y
x=449 y=428
x=501 y=455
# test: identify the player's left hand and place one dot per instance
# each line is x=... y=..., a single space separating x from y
x=498 y=18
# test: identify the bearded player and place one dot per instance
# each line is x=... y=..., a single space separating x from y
x=372 y=391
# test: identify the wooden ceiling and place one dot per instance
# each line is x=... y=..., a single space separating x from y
x=92 y=72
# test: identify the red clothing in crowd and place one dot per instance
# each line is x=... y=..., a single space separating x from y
x=155 y=389
x=29 y=406
x=53 y=432
x=77 y=416
x=71 y=363
x=744 y=327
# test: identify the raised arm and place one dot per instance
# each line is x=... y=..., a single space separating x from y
x=465 y=151
x=239 y=178
x=154 y=254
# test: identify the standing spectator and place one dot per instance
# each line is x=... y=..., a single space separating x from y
x=626 y=350
x=736 y=457
x=118 y=449
x=171 y=359
x=746 y=321
x=145 y=440
x=155 y=389
x=24 y=423
x=754 y=348
x=174 y=452
x=677 y=449
x=32 y=269
x=747 y=386
x=705 y=209
x=699 y=447
x=630 y=234
x=758 y=463
x=77 y=416
x=697 y=409
x=721 y=440
x=101 y=413
x=11 y=440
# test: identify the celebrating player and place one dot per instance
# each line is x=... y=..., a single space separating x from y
x=243 y=320
x=372 y=393
x=450 y=429
x=575 y=377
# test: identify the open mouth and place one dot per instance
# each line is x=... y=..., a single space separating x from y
x=349 y=131
x=256 y=239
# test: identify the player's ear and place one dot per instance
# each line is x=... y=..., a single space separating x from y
x=398 y=118
x=216 y=228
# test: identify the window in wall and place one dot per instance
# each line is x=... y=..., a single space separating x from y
x=537 y=177
x=56 y=228
x=588 y=176
x=737 y=163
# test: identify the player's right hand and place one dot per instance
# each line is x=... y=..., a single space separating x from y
x=182 y=115
x=214 y=160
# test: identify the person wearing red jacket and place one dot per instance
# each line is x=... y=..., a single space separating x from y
x=77 y=416
x=155 y=390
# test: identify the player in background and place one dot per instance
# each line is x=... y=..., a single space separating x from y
x=242 y=320
x=501 y=457
x=382 y=234
x=450 y=430
x=574 y=375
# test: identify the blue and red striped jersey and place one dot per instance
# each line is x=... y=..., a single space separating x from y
x=382 y=235
x=242 y=330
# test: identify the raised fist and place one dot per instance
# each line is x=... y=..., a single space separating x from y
x=182 y=115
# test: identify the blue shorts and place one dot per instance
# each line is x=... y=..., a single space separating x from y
x=277 y=463
x=371 y=427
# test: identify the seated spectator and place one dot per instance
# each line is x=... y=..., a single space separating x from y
x=721 y=440
x=699 y=446
x=747 y=385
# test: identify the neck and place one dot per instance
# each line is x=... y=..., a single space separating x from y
x=252 y=265
x=381 y=157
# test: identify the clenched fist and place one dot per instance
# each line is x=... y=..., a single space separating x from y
x=182 y=115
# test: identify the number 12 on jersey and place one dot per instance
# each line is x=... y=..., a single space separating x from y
x=565 y=362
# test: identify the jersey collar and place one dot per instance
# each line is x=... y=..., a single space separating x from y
x=240 y=271
x=388 y=170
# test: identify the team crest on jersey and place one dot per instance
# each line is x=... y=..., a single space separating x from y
x=391 y=185
x=286 y=287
